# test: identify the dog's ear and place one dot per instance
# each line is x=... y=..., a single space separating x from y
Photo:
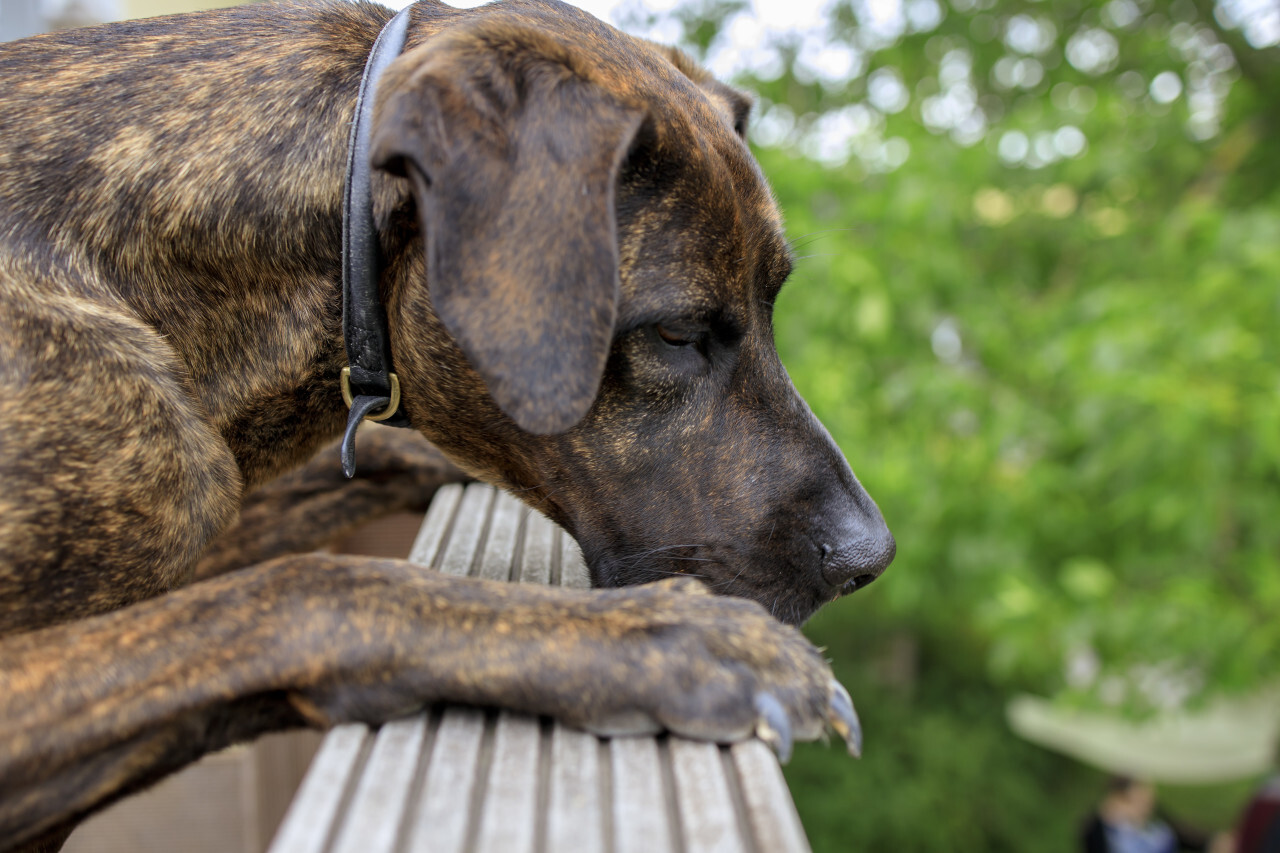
x=514 y=155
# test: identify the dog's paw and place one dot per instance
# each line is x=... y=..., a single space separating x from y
x=715 y=668
x=383 y=638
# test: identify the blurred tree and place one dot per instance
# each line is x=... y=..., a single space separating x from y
x=1047 y=238
x=1038 y=80
x=1038 y=305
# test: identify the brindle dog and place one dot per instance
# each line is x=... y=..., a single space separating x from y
x=581 y=263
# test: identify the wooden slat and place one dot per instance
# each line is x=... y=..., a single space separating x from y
x=707 y=813
x=575 y=817
x=641 y=821
x=468 y=526
x=466 y=782
x=770 y=811
x=436 y=524
x=573 y=568
x=500 y=545
x=441 y=817
x=539 y=535
x=308 y=823
x=508 y=817
x=377 y=808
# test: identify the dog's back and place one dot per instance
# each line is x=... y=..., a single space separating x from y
x=142 y=148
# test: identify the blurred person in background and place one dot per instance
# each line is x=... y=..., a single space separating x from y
x=1258 y=830
x=1126 y=821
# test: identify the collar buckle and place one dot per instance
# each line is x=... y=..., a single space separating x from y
x=392 y=406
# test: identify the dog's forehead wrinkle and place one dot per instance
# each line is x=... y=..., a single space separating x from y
x=683 y=100
x=522 y=35
x=658 y=292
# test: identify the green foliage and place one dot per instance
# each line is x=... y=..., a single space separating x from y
x=1053 y=416
x=1058 y=375
x=941 y=772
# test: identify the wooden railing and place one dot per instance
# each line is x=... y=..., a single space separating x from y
x=462 y=779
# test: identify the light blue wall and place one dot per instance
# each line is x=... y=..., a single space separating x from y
x=20 y=18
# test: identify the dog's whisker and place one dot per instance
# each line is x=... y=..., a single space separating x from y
x=811 y=236
x=660 y=549
x=637 y=560
x=548 y=494
x=679 y=574
x=727 y=583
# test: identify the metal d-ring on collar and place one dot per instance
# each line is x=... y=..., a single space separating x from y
x=369 y=387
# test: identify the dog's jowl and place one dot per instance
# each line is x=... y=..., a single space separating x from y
x=578 y=259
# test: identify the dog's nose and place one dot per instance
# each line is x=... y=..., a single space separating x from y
x=859 y=556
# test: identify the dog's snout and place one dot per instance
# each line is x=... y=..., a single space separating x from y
x=859 y=555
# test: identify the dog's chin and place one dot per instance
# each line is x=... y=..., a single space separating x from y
x=794 y=609
x=793 y=605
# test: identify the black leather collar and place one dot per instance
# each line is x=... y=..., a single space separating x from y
x=369 y=386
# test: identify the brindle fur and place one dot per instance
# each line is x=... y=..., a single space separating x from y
x=553 y=198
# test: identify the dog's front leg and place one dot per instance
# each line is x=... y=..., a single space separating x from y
x=315 y=505
x=92 y=710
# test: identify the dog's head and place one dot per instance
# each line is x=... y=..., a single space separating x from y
x=585 y=312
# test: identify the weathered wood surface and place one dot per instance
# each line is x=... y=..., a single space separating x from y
x=464 y=780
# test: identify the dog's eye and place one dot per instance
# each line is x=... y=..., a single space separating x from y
x=677 y=337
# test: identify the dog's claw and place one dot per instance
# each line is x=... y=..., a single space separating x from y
x=773 y=727
x=844 y=719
